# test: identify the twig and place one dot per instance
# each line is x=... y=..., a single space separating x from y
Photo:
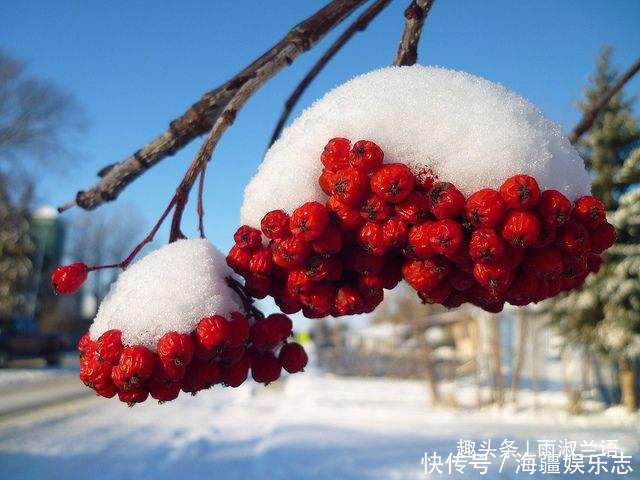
x=415 y=15
x=203 y=115
x=590 y=116
x=245 y=298
x=358 y=25
x=200 y=204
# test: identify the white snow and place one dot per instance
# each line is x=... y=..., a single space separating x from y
x=170 y=289
x=467 y=130
x=312 y=427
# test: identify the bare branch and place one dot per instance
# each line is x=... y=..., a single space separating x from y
x=590 y=116
x=203 y=115
x=415 y=15
x=358 y=25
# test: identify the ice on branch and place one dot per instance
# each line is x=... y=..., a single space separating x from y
x=170 y=289
x=466 y=129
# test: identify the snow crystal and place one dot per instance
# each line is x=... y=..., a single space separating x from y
x=467 y=130
x=170 y=289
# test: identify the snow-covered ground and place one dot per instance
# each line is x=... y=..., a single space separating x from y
x=28 y=372
x=309 y=426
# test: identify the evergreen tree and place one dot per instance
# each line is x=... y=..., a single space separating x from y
x=605 y=314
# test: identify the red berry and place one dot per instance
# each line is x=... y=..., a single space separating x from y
x=437 y=294
x=348 y=300
x=265 y=335
x=175 y=352
x=575 y=269
x=554 y=208
x=522 y=290
x=309 y=221
x=546 y=236
x=319 y=268
x=288 y=302
x=603 y=237
x=415 y=209
x=109 y=346
x=393 y=182
x=391 y=273
x=484 y=208
x=455 y=299
x=485 y=246
x=445 y=236
x=326 y=181
x=213 y=332
x=424 y=275
x=394 y=232
x=135 y=367
x=201 y=375
x=371 y=238
x=95 y=374
x=239 y=329
x=366 y=156
x=258 y=285
x=589 y=211
x=265 y=368
x=336 y=154
x=375 y=209
x=545 y=263
x=513 y=255
x=329 y=242
x=364 y=263
x=85 y=344
x=235 y=375
x=275 y=224
x=446 y=200
x=521 y=228
x=248 y=238
x=572 y=237
x=69 y=278
x=319 y=300
x=424 y=179
x=161 y=386
x=594 y=262
x=133 y=396
x=367 y=284
x=520 y=192
x=495 y=276
x=239 y=260
x=293 y=358
x=350 y=186
x=298 y=282
x=282 y=324
x=460 y=280
x=290 y=253
x=345 y=217
x=261 y=262
x=420 y=240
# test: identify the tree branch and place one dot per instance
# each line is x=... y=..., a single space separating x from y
x=358 y=25
x=203 y=115
x=415 y=15
x=590 y=116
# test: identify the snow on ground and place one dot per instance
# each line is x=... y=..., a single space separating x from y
x=310 y=426
x=28 y=373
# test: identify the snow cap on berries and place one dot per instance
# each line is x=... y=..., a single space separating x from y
x=463 y=128
x=170 y=289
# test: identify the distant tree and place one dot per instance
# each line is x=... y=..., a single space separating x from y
x=35 y=117
x=605 y=314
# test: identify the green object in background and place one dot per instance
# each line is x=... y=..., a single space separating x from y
x=303 y=337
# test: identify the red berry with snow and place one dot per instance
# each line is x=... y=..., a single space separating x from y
x=553 y=208
x=446 y=201
x=275 y=224
x=393 y=182
x=336 y=154
x=520 y=192
x=109 y=346
x=366 y=156
x=69 y=278
x=309 y=221
x=484 y=208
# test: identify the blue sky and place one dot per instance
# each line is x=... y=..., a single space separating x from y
x=135 y=65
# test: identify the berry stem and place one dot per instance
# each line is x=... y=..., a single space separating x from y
x=246 y=299
x=200 y=205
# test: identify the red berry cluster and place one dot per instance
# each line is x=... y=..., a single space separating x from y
x=382 y=223
x=219 y=351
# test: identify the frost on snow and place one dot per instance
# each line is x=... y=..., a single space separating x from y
x=170 y=289
x=467 y=130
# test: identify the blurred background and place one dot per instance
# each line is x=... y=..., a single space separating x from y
x=85 y=84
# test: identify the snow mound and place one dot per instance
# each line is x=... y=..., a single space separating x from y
x=467 y=130
x=170 y=289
